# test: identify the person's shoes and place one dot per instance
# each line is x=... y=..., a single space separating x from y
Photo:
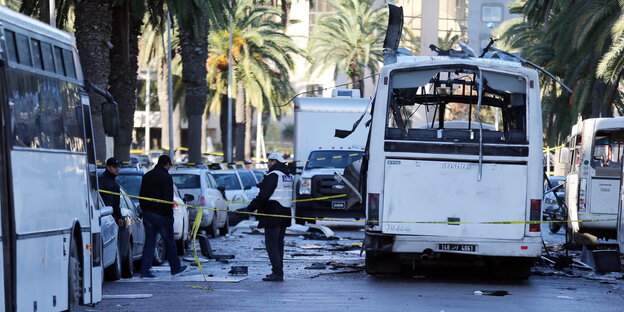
x=182 y=269
x=148 y=275
x=273 y=278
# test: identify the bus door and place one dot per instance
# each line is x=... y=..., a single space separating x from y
x=97 y=272
x=6 y=235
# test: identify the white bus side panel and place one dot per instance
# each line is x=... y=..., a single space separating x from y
x=53 y=191
x=604 y=196
x=41 y=280
x=438 y=190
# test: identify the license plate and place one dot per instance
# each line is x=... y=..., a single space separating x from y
x=339 y=205
x=457 y=247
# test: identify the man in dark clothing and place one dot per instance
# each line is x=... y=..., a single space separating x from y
x=275 y=197
x=158 y=217
x=108 y=182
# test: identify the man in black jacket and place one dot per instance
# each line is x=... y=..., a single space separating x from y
x=108 y=182
x=158 y=217
x=275 y=197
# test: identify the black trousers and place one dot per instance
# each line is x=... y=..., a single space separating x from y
x=274 y=242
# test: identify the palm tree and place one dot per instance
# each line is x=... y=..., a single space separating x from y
x=349 y=40
x=263 y=58
x=568 y=38
x=194 y=18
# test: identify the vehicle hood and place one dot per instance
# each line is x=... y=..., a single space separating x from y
x=321 y=171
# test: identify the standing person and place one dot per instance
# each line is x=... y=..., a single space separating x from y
x=108 y=182
x=275 y=198
x=158 y=217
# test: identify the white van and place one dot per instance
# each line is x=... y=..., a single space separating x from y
x=594 y=153
x=454 y=155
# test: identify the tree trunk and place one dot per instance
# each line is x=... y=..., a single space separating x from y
x=355 y=75
x=123 y=79
x=223 y=120
x=163 y=102
x=204 y=133
x=194 y=51
x=239 y=138
x=93 y=25
x=248 y=124
x=177 y=128
x=286 y=4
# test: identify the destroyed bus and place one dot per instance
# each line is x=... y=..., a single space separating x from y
x=593 y=154
x=452 y=171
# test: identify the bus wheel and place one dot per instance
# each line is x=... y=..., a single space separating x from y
x=127 y=268
x=74 y=278
x=381 y=264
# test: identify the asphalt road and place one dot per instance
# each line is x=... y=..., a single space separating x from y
x=349 y=288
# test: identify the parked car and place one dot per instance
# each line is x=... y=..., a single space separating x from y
x=130 y=179
x=234 y=191
x=552 y=209
x=111 y=260
x=259 y=175
x=201 y=185
x=249 y=183
x=131 y=236
x=181 y=225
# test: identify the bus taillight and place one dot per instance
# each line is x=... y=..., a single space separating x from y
x=373 y=210
x=536 y=213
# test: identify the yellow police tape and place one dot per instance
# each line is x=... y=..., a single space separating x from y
x=198 y=218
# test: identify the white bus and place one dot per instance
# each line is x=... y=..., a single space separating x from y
x=594 y=153
x=50 y=217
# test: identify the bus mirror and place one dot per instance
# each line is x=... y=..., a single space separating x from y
x=564 y=155
x=110 y=118
x=106 y=211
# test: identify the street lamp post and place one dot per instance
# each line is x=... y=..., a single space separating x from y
x=170 y=87
x=228 y=149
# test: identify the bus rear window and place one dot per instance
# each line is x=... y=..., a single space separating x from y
x=441 y=104
x=608 y=149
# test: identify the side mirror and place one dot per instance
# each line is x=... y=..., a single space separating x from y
x=222 y=190
x=188 y=198
x=564 y=155
x=106 y=211
x=110 y=118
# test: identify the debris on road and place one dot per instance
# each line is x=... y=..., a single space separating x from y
x=497 y=293
x=239 y=270
x=316 y=266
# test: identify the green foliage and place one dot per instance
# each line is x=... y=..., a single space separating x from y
x=349 y=40
x=262 y=57
x=567 y=38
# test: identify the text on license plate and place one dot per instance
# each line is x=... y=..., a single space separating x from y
x=339 y=205
x=457 y=247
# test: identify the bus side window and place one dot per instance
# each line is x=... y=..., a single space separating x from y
x=11 y=46
x=68 y=60
x=48 y=57
x=58 y=60
x=36 y=50
x=23 y=50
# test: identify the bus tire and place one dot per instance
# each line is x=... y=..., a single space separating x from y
x=514 y=268
x=381 y=264
x=113 y=272
x=74 y=278
x=159 y=251
x=127 y=266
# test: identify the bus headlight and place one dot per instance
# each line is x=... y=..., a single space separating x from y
x=305 y=187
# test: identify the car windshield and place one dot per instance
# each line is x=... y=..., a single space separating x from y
x=259 y=176
x=332 y=159
x=227 y=180
x=186 y=181
x=131 y=183
x=247 y=178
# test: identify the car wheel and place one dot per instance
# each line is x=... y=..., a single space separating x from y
x=127 y=267
x=74 y=278
x=225 y=230
x=554 y=227
x=159 y=251
x=113 y=272
x=214 y=230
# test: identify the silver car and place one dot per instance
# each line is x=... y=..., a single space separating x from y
x=206 y=194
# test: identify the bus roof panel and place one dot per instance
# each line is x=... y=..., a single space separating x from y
x=32 y=25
